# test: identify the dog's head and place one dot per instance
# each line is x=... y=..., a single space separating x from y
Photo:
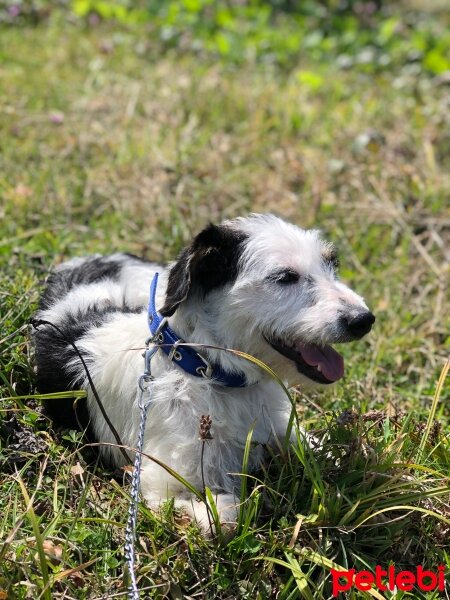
x=269 y=288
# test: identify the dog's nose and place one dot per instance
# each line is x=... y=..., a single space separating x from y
x=360 y=324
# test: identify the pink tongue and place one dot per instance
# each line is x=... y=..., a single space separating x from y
x=331 y=362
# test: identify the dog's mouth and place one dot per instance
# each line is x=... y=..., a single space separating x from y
x=319 y=363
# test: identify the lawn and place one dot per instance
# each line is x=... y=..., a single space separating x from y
x=115 y=135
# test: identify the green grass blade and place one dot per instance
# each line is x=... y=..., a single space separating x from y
x=56 y=396
x=31 y=515
x=433 y=410
x=245 y=462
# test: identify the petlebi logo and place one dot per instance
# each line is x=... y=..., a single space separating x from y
x=389 y=579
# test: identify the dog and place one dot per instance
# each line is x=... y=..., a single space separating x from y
x=256 y=284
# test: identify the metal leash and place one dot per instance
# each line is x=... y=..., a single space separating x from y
x=145 y=388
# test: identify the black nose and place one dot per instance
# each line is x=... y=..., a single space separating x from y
x=360 y=324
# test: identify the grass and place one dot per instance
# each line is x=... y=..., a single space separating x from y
x=106 y=144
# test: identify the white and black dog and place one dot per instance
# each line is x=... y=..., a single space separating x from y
x=254 y=284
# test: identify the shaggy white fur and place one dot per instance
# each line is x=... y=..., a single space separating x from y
x=256 y=284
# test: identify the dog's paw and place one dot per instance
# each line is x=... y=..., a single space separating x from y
x=226 y=508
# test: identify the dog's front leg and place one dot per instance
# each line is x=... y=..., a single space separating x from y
x=227 y=509
x=286 y=431
x=158 y=486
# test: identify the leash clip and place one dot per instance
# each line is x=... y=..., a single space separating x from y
x=145 y=383
x=148 y=355
x=146 y=379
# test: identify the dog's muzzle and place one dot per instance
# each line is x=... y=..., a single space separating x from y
x=323 y=364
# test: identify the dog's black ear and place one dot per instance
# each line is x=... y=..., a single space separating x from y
x=178 y=284
x=209 y=262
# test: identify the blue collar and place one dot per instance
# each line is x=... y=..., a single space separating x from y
x=186 y=357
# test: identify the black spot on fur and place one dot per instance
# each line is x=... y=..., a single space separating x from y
x=331 y=257
x=89 y=271
x=209 y=262
x=53 y=352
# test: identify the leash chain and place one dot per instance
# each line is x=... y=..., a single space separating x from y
x=145 y=387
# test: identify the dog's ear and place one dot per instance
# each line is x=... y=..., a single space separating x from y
x=209 y=262
x=179 y=283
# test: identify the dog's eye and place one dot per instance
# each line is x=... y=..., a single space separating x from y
x=284 y=276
